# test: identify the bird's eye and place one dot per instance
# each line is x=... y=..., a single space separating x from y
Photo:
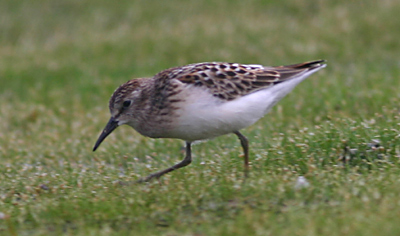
x=126 y=104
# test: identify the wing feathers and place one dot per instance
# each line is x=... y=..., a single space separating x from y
x=230 y=80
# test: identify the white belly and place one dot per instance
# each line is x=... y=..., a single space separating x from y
x=204 y=116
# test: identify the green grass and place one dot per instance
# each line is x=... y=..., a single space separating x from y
x=61 y=60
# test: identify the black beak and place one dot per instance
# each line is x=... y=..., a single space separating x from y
x=111 y=125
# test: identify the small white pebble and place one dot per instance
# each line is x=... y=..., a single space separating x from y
x=301 y=183
x=2 y=216
x=237 y=186
x=353 y=150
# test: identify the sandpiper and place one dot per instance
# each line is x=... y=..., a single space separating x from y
x=202 y=101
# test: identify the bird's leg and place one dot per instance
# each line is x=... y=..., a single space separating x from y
x=245 y=145
x=183 y=163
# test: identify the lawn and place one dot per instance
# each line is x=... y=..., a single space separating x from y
x=60 y=61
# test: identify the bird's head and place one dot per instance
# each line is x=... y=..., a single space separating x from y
x=122 y=107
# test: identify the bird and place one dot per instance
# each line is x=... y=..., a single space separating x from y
x=202 y=101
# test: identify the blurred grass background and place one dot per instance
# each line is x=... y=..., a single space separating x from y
x=60 y=61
